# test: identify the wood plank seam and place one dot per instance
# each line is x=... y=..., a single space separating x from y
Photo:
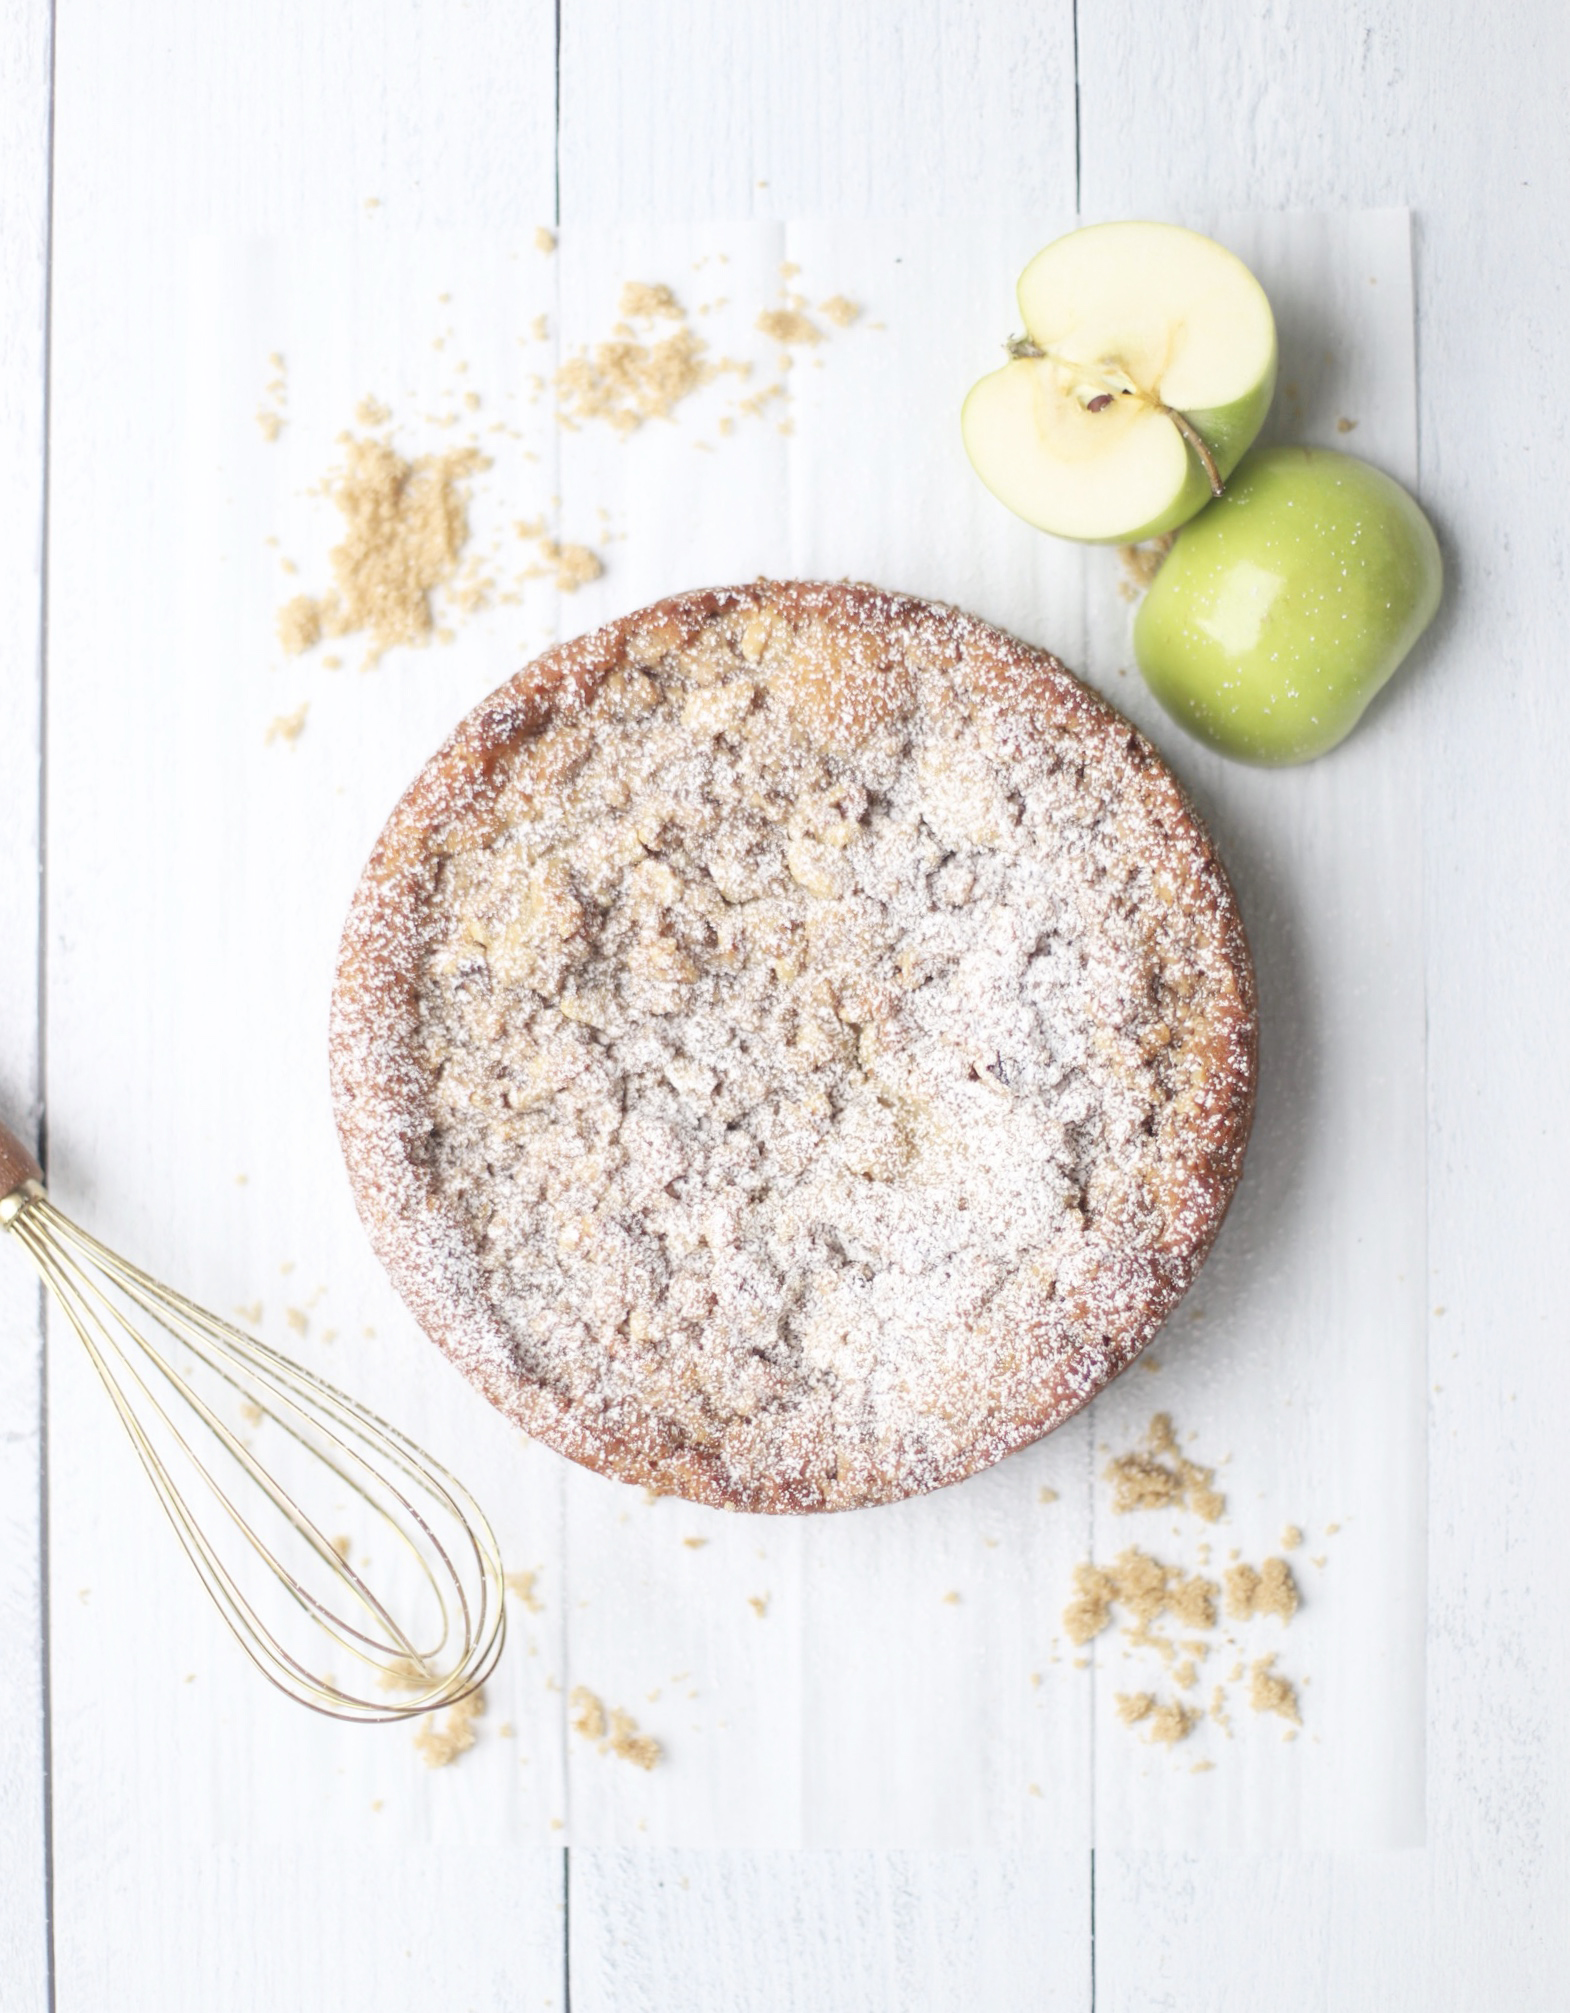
x=41 y=1054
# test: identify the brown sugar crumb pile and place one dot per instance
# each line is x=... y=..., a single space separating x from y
x=405 y=525
x=654 y=358
x=789 y=325
x=1157 y=1476
x=636 y=374
x=1269 y=1591
x=1269 y=1693
x=1146 y=1590
x=614 y=1732
x=1142 y=1586
x=574 y=566
x=1141 y=564
x=440 y=1742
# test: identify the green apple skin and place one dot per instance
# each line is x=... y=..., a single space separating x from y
x=1229 y=431
x=1283 y=608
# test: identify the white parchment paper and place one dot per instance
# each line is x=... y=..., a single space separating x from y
x=896 y=1677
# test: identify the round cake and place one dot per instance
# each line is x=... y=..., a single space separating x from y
x=793 y=1046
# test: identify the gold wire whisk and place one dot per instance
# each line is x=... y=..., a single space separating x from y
x=276 y=1575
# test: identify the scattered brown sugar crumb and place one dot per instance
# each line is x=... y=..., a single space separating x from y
x=1046 y=1495
x=1133 y=1706
x=641 y=1749
x=576 y=565
x=1242 y=1586
x=614 y=1733
x=270 y=419
x=1186 y=1675
x=1146 y=1588
x=1278 y=1593
x=1202 y=1768
x=544 y=240
x=1141 y=564
x=625 y=382
x=1191 y=1600
x=1159 y=1476
x=342 y=1546
x=288 y=727
x=588 y=1713
x=523 y=1585
x=1141 y=1583
x=839 y=310
x=643 y=301
x=1269 y=1693
x=371 y=412
x=405 y=525
x=300 y=625
x=439 y=1743
x=1141 y=1482
x=788 y=325
x=1089 y=1612
x=759 y=1604
x=1172 y=1722
x=1346 y=426
x=1269 y=1591
x=1291 y=1538
x=695 y=1544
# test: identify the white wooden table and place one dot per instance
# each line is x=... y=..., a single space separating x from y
x=128 y=1878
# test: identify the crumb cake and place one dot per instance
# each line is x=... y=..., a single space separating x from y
x=793 y=1046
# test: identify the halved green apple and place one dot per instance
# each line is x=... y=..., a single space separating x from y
x=1145 y=374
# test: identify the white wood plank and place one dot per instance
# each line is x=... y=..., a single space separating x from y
x=1295 y=1930
x=1301 y=1354
x=807 y=108
x=373 y=1924
x=863 y=1707
x=198 y=881
x=24 y=237
x=840 y=1932
x=1305 y=107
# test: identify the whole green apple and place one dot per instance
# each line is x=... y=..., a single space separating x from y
x=1285 y=605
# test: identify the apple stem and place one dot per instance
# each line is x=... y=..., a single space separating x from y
x=1022 y=347
x=1196 y=441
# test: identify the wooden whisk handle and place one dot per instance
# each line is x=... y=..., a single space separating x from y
x=16 y=1163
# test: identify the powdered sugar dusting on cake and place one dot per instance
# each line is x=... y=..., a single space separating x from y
x=794 y=1047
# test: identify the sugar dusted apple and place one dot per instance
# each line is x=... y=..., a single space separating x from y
x=1283 y=609
x=1144 y=375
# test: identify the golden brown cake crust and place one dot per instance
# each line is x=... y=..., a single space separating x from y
x=893 y=1358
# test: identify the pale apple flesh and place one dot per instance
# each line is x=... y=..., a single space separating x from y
x=1132 y=329
x=1279 y=613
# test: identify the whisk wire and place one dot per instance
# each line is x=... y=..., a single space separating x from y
x=187 y=1321
x=320 y=1420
